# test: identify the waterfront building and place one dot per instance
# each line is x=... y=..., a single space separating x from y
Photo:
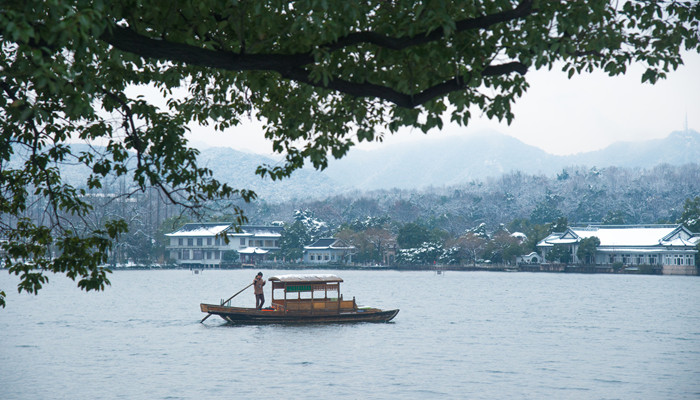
x=328 y=251
x=201 y=245
x=669 y=248
x=532 y=258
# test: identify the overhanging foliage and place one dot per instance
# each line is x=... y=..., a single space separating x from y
x=321 y=75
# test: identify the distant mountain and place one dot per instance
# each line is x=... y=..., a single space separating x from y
x=678 y=148
x=238 y=170
x=454 y=160
x=228 y=165
x=444 y=162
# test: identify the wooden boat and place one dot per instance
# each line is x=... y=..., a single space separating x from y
x=302 y=299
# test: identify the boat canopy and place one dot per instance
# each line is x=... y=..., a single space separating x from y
x=311 y=278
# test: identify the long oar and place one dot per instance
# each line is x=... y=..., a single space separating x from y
x=227 y=300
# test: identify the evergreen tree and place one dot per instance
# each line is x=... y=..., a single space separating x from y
x=294 y=238
x=412 y=235
x=691 y=214
x=587 y=249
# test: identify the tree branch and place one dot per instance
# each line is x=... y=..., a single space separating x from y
x=128 y=40
x=290 y=65
x=398 y=98
x=522 y=10
x=504 y=69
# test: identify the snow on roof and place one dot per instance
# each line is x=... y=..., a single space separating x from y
x=204 y=229
x=214 y=228
x=639 y=250
x=328 y=243
x=306 y=278
x=547 y=242
x=255 y=234
x=623 y=236
x=322 y=243
x=258 y=231
x=253 y=250
x=679 y=242
x=632 y=235
x=562 y=241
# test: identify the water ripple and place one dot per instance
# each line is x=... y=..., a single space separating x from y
x=475 y=335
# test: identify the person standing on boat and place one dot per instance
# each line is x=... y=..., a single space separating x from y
x=258 y=284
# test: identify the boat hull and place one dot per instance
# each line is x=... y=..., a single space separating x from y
x=238 y=315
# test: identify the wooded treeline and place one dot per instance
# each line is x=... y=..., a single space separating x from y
x=462 y=224
x=620 y=195
x=431 y=222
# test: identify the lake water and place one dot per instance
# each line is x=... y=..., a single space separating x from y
x=461 y=335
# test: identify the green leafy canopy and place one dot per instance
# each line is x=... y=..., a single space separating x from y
x=322 y=75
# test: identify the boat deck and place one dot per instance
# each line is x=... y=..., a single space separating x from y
x=271 y=315
x=304 y=298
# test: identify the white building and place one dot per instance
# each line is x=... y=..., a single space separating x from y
x=328 y=251
x=532 y=258
x=671 y=247
x=201 y=244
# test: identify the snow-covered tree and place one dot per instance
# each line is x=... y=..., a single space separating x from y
x=691 y=214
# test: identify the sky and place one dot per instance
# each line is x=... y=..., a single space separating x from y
x=558 y=115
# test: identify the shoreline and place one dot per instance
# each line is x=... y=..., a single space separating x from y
x=438 y=269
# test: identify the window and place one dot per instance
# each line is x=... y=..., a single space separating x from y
x=326 y=257
x=268 y=243
x=199 y=241
x=208 y=241
x=190 y=242
x=217 y=254
x=197 y=255
x=242 y=241
x=179 y=241
x=311 y=257
x=217 y=241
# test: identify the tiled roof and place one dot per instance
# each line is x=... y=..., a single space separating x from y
x=215 y=228
x=253 y=250
x=621 y=236
x=626 y=235
x=328 y=243
x=200 y=229
x=323 y=243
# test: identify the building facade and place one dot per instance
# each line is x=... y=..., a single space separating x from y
x=328 y=251
x=201 y=245
x=672 y=248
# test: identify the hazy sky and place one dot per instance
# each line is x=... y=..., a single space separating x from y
x=557 y=114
